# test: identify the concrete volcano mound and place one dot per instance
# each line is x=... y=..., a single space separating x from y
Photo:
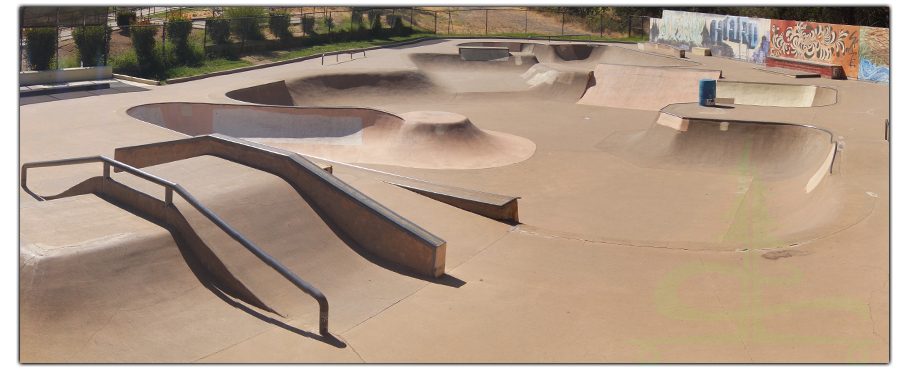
x=422 y=139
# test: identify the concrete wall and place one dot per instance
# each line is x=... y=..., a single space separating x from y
x=741 y=38
x=862 y=52
x=75 y=74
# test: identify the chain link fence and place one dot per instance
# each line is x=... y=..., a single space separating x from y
x=215 y=35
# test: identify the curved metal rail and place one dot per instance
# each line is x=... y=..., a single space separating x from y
x=174 y=187
x=549 y=37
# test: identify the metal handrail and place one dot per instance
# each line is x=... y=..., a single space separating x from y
x=174 y=187
x=549 y=37
x=337 y=54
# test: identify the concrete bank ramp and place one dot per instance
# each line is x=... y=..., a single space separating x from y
x=429 y=140
x=644 y=88
x=787 y=168
x=775 y=94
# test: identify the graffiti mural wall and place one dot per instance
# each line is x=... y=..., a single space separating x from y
x=874 y=54
x=742 y=38
x=862 y=52
x=810 y=41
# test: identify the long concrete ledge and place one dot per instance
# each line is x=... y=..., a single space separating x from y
x=75 y=74
x=661 y=49
x=826 y=70
x=375 y=227
x=494 y=206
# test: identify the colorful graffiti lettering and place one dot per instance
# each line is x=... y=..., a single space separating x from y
x=734 y=29
x=683 y=27
x=836 y=44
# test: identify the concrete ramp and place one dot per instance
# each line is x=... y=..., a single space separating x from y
x=788 y=167
x=645 y=88
x=429 y=140
x=775 y=94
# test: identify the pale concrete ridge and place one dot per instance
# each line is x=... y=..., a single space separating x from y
x=572 y=185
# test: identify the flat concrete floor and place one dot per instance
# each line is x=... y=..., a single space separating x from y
x=612 y=263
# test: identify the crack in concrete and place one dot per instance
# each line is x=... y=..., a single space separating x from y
x=869 y=304
x=89 y=339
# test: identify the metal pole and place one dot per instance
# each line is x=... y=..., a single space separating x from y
x=164 y=44
x=435 y=22
x=485 y=21
x=601 y=24
x=449 y=21
x=563 y=29
x=526 y=20
x=57 y=38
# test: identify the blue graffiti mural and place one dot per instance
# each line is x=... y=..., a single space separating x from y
x=872 y=72
x=734 y=29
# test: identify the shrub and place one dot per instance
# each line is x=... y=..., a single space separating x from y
x=355 y=18
x=217 y=30
x=92 y=43
x=375 y=21
x=125 y=18
x=40 y=44
x=179 y=29
x=279 y=24
x=249 y=23
x=398 y=27
x=142 y=38
x=308 y=24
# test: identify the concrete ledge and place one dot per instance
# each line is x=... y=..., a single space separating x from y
x=661 y=49
x=75 y=74
x=826 y=70
x=788 y=72
x=373 y=226
x=135 y=79
x=701 y=51
x=494 y=206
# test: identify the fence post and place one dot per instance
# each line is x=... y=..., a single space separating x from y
x=244 y=35
x=563 y=28
x=601 y=24
x=449 y=21
x=485 y=22
x=205 y=28
x=526 y=21
x=435 y=22
x=57 y=38
x=164 y=44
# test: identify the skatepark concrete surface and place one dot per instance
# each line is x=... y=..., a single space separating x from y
x=649 y=229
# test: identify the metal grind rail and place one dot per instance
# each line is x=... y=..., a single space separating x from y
x=337 y=54
x=174 y=187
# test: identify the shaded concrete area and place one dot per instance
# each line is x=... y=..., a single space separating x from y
x=751 y=232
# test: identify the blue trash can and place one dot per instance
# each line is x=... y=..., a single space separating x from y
x=707 y=92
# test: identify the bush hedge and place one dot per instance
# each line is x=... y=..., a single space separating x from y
x=92 y=43
x=279 y=24
x=40 y=45
x=218 y=30
x=249 y=23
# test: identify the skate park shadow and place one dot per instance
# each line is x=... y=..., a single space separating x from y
x=215 y=286
x=223 y=293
